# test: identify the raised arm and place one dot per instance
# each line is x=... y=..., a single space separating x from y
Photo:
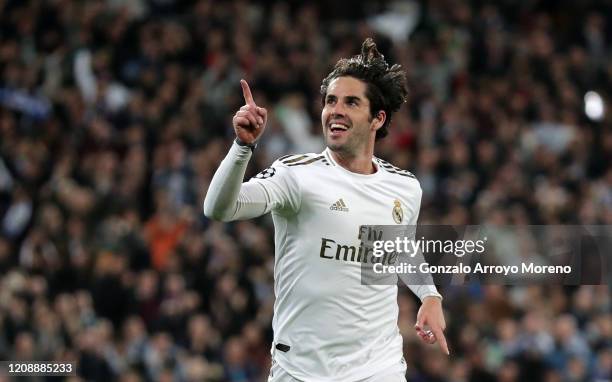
x=228 y=198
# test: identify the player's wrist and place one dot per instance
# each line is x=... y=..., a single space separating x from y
x=435 y=297
x=252 y=145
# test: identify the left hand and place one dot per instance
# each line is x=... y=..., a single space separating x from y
x=430 y=314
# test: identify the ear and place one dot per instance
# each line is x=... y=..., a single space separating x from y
x=379 y=120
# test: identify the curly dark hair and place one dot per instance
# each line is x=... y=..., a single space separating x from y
x=385 y=87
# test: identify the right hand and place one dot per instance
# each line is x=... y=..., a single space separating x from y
x=250 y=121
x=430 y=313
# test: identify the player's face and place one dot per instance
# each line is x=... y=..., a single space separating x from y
x=346 y=119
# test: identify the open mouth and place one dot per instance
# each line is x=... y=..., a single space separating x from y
x=337 y=127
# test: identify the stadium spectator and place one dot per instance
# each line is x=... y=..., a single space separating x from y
x=114 y=116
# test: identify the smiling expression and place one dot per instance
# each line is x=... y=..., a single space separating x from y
x=346 y=119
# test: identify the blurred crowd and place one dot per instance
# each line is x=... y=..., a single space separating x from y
x=114 y=115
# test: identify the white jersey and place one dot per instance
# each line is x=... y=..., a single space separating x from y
x=327 y=325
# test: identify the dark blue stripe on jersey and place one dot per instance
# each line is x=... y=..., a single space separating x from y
x=408 y=174
x=395 y=170
x=285 y=157
x=328 y=157
x=295 y=159
x=308 y=161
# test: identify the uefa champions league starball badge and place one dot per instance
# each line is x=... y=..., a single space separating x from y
x=398 y=213
x=267 y=173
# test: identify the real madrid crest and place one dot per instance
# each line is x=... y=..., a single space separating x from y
x=398 y=213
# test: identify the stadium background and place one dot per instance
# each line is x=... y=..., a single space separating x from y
x=114 y=115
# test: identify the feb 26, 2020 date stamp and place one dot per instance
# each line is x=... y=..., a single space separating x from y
x=37 y=368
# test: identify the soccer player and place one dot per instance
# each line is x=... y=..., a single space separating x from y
x=327 y=325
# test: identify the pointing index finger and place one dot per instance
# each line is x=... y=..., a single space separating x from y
x=439 y=335
x=246 y=92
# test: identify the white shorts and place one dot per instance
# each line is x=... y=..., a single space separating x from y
x=394 y=374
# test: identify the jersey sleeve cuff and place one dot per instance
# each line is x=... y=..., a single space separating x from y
x=429 y=291
x=240 y=154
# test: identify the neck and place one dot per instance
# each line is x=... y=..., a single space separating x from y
x=360 y=163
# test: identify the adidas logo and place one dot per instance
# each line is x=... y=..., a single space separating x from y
x=339 y=206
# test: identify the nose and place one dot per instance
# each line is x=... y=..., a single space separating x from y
x=337 y=116
x=337 y=111
x=334 y=112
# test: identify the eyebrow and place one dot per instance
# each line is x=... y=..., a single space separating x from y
x=347 y=98
x=352 y=98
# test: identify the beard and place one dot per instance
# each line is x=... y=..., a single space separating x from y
x=346 y=147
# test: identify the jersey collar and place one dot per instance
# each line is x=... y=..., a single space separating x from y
x=330 y=158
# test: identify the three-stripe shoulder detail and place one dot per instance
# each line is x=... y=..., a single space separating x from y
x=300 y=160
x=285 y=157
x=394 y=170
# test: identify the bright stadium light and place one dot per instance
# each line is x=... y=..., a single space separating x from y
x=593 y=106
